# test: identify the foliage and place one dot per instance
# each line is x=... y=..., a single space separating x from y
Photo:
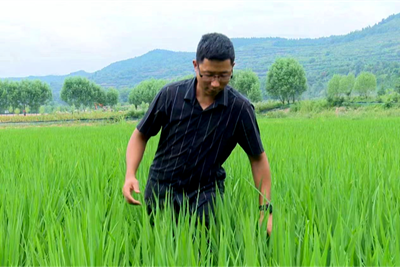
x=62 y=117
x=112 y=97
x=381 y=91
x=79 y=91
x=340 y=85
x=181 y=78
x=365 y=84
x=308 y=106
x=124 y=95
x=23 y=94
x=255 y=94
x=286 y=80
x=247 y=83
x=397 y=86
x=346 y=84
x=334 y=86
x=146 y=91
x=4 y=102
x=34 y=94
x=267 y=106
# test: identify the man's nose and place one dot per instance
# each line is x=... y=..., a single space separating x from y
x=215 y=83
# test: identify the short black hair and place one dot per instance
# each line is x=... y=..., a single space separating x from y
x=215 y=46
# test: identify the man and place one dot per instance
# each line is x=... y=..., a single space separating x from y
x=202 y=120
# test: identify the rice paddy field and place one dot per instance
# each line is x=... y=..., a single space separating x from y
x=335 y=191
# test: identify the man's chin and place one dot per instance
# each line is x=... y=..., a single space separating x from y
x=213 y=91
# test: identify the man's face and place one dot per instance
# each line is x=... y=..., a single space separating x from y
x=213 y=75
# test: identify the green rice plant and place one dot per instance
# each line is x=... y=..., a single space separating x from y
x=335 y=191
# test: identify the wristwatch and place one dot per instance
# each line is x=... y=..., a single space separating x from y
x=266 y=207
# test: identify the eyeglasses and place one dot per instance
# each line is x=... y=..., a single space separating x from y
x=224 y=77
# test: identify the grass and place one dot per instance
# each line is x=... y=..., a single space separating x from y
x=61 y=116
x=336 y=195
x=76 y=116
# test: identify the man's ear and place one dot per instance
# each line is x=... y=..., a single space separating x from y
x=194 y=63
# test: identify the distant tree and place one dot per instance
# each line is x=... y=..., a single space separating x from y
x=10 y=95
x=381 y=91
x=99 y=95
x=124 y=95
x=255 y=94
x=334 y=86
x=112 y=96
x=33 y=94
x=13 y=94
x=79 y=91
x=365 y=84
x=181 y=78
x=248 y=84
x=286 y=80
x=346 y=84
x=397 y=86
x=316 y=89
x=3 y=96
x=146 y=91
x=74 y=90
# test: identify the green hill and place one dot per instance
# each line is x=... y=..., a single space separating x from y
x=375 y=49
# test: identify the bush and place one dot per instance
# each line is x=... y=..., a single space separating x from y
x=295 y=107
x=346 y=104
x=378 y=99
x=308 y=106
x=320 y=105
x=134 y=113
x=335 y=101
x=17 y=111
x=117 y=107
x=144 y=106
x=266 y=106
x=387 y=105
x=395 y=97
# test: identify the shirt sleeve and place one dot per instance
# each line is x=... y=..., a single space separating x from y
x=248 y=133
x=155 y=116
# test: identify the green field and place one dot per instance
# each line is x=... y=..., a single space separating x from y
x=335 y=191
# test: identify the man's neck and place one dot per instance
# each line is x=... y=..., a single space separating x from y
x=204 y=99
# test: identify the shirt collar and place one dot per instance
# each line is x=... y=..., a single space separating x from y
x=221 y=98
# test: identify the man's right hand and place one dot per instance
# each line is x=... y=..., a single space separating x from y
x=131 y=184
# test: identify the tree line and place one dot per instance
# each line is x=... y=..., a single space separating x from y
x=364 y=85
x=285 y=81
x=24 y=94
x=82 y=93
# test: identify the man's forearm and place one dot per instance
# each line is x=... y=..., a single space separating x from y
x=262 y=177
x=134 y=152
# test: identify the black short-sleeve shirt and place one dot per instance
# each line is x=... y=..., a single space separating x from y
x=194 y=143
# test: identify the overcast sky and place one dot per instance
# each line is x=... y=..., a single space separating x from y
x=60 y=37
